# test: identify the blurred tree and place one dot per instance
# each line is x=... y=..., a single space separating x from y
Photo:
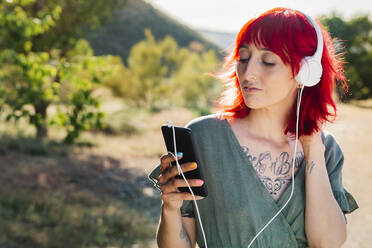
x=356 y=37
x=161 y=73
x=75 y=19
x=41 y=50
x=192 y=86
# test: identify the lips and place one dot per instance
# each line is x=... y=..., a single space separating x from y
x=251 y=89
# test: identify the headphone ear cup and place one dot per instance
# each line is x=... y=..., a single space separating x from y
x=310 y=72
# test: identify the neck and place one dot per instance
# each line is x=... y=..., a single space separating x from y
x=269 y=123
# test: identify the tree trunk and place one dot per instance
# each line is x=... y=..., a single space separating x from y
x=41 y=128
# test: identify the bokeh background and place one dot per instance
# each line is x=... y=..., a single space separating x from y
x=85 y=86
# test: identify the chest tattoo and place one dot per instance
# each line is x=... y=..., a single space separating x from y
x=274 y=172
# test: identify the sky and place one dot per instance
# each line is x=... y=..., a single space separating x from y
x=231 y=15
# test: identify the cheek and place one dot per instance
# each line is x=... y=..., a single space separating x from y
x=278 y=71
x=273 y=81
x=278 y=85
x=278 y=78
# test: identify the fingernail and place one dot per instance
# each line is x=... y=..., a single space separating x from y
x=193 y=165
x=179 y=154
x=199 y=181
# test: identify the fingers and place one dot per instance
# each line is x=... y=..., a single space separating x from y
x=172 y=185
x=179 y=196
x=172 y=171
x=165 y=161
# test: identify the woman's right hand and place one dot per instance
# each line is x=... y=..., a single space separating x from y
x=173 y=198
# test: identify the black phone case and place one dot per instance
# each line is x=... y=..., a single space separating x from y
x=184 y=145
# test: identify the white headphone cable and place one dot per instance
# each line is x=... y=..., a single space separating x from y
x=188 y=185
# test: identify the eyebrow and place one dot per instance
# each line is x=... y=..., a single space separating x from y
x=262 y=48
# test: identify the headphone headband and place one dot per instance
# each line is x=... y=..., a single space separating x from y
x=319 y=49
x=311 y=70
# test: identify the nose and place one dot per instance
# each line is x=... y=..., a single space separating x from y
x=251 y=78
x=248 y=71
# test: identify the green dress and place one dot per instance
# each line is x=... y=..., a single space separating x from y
x=238 y=204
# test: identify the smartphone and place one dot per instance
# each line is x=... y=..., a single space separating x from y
x=184 y=145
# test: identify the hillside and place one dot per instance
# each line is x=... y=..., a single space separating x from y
x=128 y=25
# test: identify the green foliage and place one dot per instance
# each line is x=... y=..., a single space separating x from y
x=18 y=26
x=356 y=36
x=78 y=78
x=160 y=73
x=43 y=62
x=191 y=86
x=74 y=19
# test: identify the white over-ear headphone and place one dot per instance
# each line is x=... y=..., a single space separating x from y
x=311 y=68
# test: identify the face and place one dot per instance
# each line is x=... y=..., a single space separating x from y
x=264 y=79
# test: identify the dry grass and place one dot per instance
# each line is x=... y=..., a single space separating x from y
x=142 y=150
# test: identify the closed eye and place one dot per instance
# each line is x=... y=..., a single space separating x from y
x=244 y=61
x=268 y=64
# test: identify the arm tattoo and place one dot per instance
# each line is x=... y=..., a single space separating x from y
x=311 y=166
x=183 y=235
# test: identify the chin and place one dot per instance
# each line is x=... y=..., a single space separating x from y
x=253 y=104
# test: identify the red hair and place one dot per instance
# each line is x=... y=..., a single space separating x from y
x=288 y=34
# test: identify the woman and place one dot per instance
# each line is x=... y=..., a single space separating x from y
x=246 y=151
